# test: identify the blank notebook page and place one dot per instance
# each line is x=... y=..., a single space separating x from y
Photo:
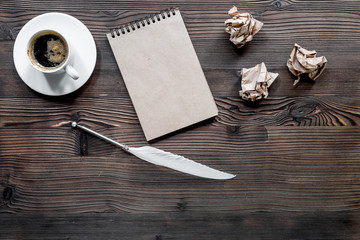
x=163 y=75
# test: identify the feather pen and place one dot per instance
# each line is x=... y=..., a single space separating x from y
x=166 y=159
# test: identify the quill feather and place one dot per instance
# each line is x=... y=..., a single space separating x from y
x=166 y=159
x=177 y=162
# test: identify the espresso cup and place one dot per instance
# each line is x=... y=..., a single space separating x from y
x=49 y=52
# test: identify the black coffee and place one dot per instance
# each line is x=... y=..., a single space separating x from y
x=49 y=50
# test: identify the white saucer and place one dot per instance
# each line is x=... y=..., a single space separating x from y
x=83 y=52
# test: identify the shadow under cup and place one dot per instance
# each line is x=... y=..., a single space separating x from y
x=48 y=51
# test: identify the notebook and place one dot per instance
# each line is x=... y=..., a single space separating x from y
x=162 y=73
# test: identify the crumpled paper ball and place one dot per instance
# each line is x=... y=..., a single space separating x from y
x=255 y=82
x=242 y=27
x=302 y=61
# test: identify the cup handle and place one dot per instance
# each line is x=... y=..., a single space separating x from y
x=72 y=72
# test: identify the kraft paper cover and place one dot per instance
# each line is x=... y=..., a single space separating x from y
x=163 y=76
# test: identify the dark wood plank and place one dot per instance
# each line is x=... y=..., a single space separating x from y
x=222 y=82
x=280 y=31
x=278 y=169
x=119 y=182
x=183 y=225
x=118 y=188
x=281 y=25
x=203 y=140
x=218 y=56
x=233 y=112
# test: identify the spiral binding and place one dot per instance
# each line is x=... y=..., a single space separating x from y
x=142 y=22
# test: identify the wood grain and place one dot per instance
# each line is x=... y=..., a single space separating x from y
x=282 y=181
x=280 y=31
x=233 y=111
x=261 y=225
x=222 y=82
x=218 y=57
x=296 y=154
x=275 y=172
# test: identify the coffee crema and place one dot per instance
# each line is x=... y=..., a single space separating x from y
x=49 y=50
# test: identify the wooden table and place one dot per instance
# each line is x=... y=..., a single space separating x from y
x=296 y=154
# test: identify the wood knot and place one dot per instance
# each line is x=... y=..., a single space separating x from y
x=75 y=117
x=277 y=4
x=8 y=193
x=181 y=206
x=280 y=4
x=232 y=129
x=304 y=109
